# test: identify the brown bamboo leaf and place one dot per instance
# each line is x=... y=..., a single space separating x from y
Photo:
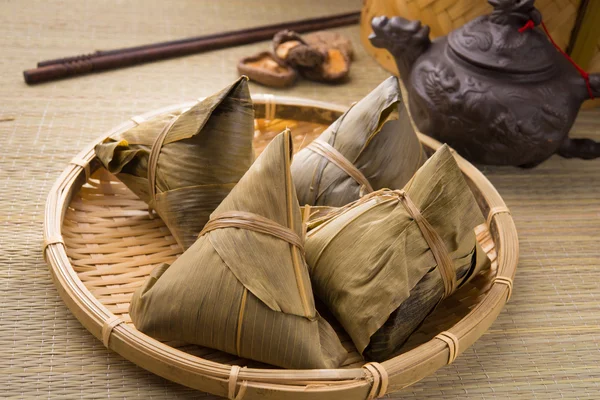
x=376 y=136
x=205 y=151
x=240 y=290
x=383 y=285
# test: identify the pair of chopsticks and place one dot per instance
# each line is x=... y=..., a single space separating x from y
x=112 y=59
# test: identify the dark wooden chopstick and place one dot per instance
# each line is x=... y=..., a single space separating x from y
x=112 y=59
x=297 y=26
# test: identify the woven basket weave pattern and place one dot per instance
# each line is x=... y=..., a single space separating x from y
x=101 y=244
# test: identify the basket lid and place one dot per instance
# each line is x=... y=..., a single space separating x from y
x=494 y=41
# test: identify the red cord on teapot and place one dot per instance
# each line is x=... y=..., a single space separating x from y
x=586 y=77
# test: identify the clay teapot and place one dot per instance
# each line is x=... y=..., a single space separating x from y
x=496 y=94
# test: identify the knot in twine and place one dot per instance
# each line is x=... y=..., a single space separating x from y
x=586 y=77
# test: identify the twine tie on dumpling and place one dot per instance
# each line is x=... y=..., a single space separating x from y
x=153 y=163
x=435 y=243
x=253 y=222
x=380 y=380
x=330 y=153
x=256 y=223
x=432 y=238
x=586 y=77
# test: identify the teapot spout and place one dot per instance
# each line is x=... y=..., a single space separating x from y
x=405 y=40
x=586 y=149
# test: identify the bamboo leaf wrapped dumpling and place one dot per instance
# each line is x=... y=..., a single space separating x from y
x=193 y=159
x=415 y=247
x=371 y=146
x=244 y=287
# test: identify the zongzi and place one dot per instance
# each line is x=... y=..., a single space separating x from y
x=244 y=287
x=183 y=164
x=416 y=247
x=371 y=146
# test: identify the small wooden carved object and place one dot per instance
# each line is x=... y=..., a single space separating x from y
x=496 y=89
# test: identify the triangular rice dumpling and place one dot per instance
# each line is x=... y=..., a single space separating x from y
x=244 y=287
x=194 y=158
x=371 y=146
x=383 y=285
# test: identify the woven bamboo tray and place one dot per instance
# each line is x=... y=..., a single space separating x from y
x=101 y=245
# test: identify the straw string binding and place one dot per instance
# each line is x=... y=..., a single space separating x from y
x=435 y=242
x=329 y=152
x=83 y=164
x=305 y=219
x=256 y=223
x=530 y=24
x=253 y=222
x=495 y=211
x=232 y=384
x=453 y=345
x=270 y=107
x=318 y=174
x=238 y=335
x=380 y=380
x=108 y=327
x=433 y=239
x=504 y=280
x=153 y=162
x=50 y=241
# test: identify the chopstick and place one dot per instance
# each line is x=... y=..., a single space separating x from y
x=112 y=59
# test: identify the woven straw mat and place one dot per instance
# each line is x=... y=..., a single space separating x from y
x=543 y=345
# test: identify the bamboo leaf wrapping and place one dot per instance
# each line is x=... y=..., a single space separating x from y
x=240 y=291
x=376 y=136
x=382 y=285
x=205 y=152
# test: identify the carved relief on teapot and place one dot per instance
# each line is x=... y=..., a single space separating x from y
x=496 y=93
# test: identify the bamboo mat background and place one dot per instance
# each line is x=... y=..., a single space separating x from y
x=544 y=345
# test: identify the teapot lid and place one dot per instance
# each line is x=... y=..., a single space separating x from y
x=494 y=41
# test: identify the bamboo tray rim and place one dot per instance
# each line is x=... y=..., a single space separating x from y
x=213 y=377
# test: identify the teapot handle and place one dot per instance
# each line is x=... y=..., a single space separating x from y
x=595 y=85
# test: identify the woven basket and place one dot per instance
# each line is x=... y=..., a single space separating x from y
x=444 y=16
x=101 y=245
